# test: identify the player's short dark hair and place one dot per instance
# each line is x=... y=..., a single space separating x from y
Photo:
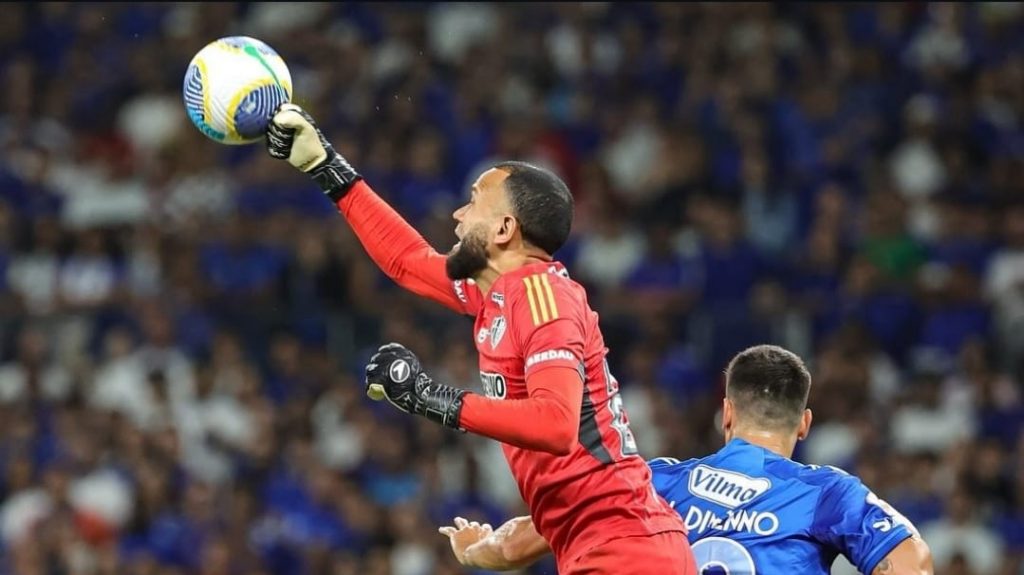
x=541 y=202
x=768 y=384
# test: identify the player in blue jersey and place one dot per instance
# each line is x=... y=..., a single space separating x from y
x=749 y=508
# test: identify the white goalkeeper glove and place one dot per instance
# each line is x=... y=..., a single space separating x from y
x=292 y=135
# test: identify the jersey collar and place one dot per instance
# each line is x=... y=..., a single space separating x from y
x=510 y=277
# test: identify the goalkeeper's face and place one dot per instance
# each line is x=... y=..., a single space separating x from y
x=468 y=257
x=484 y=225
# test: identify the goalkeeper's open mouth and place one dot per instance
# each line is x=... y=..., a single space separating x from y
x=458 y=238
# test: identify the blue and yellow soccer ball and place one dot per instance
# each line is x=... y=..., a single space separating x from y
x=232 y=87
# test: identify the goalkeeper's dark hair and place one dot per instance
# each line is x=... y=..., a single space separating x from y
x=541 y=202
x=770 y=385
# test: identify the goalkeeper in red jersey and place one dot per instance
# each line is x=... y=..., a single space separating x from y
x=547 y=393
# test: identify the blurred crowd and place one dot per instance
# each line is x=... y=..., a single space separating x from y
x=183 y=325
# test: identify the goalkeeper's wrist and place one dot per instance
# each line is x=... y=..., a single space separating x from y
x=486 y=554
x=334 y=175
x=468 y=558
x=443 y=404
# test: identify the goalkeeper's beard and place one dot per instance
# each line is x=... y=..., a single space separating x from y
x=468 y=258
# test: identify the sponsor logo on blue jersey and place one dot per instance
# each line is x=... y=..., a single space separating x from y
x=726 y=488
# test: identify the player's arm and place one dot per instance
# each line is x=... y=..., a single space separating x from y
x=546 y=324
x=515 y=545
x=911 y=557
x=398 y=249
x=547 y=421
x=875 y=537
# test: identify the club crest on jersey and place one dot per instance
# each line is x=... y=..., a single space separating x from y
x=497 y=330
x=726 y=488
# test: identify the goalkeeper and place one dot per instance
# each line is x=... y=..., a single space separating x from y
x=548 y=396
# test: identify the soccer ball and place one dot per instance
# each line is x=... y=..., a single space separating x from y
x=232 y=87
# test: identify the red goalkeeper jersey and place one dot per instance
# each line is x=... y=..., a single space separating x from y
x=542 y=359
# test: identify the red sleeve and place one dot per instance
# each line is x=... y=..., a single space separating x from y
x=547 y=421
x=402 y=253
x=545 y=320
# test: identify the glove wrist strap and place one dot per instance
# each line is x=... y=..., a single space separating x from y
x=335 y=176
x=442 y=404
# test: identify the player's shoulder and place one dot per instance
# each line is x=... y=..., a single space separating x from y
x=670 y=476
x=827 y=478
x=671 y=464
x=559 y=275
x=540 y=275
x=545 y=291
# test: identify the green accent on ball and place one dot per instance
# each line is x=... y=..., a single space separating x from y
x=255 y=53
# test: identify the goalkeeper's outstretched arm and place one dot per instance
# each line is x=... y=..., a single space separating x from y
x=398 y=249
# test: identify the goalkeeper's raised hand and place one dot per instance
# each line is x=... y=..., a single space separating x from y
x=292 y=135
x=394 y=373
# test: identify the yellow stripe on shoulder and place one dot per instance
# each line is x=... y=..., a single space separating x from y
x=550 y=296
x=542 y=302
x=541 y=297
x=533 y=302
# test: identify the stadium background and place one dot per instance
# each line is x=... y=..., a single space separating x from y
x=184 y=324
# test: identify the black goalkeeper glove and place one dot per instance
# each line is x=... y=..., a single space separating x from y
x=292 y=135
x=394 y=373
